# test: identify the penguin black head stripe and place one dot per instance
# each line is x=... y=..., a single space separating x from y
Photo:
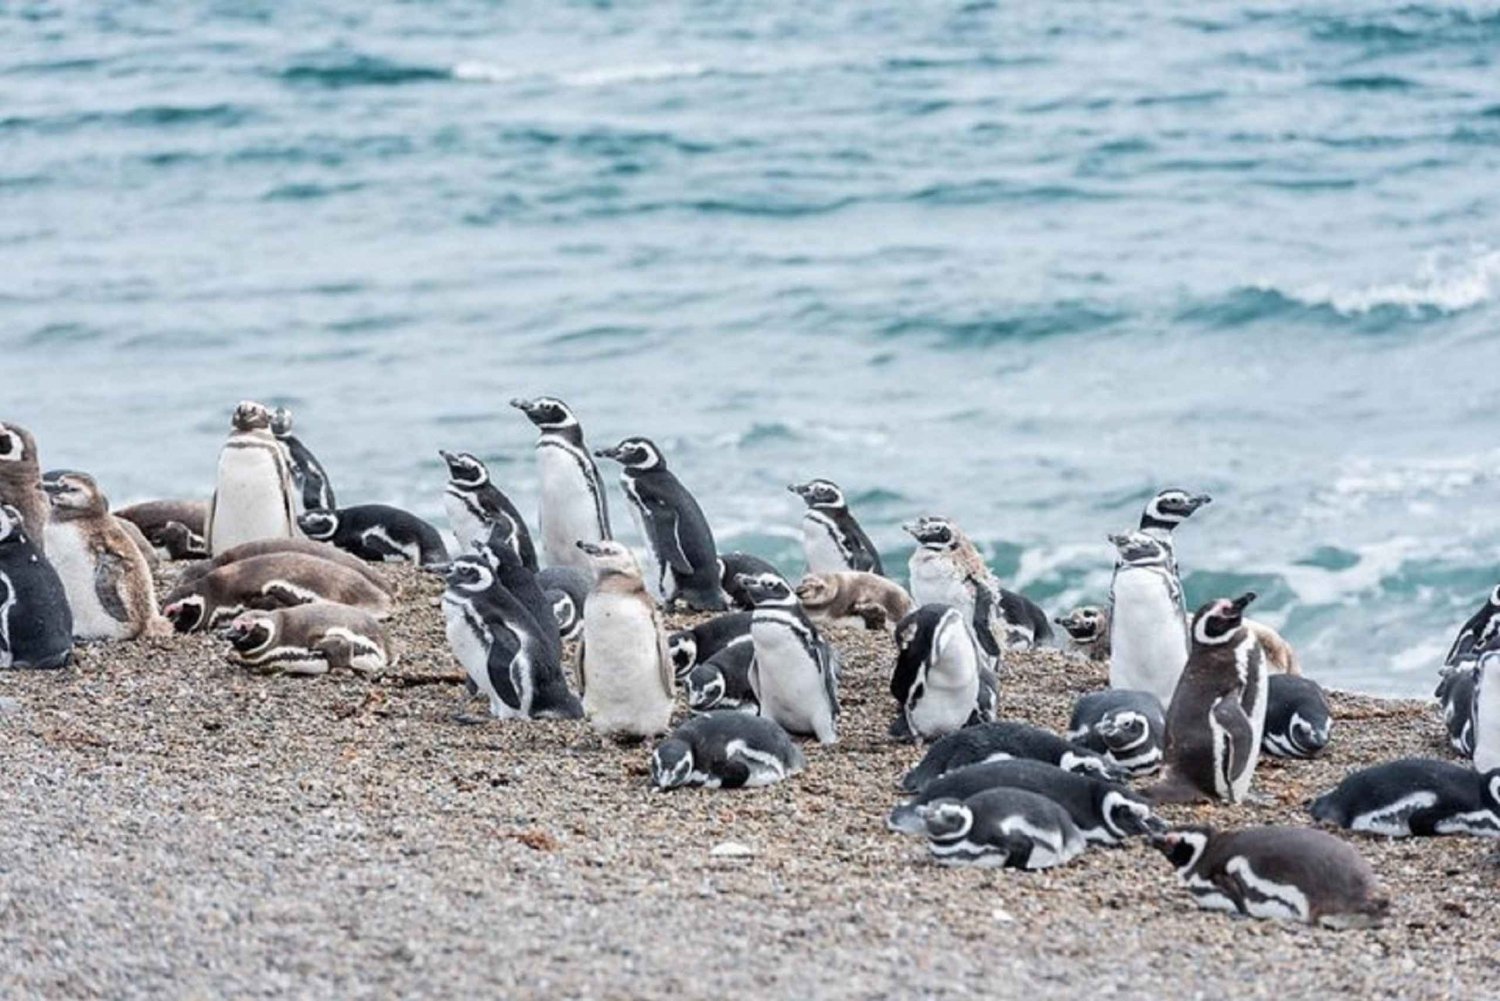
x=1084 y=623
x=248 y=633
x=1182 y=846
x=546 y=412
x=469 y=573
x=933 y=532
x=671 y=764
x=637 y=454
x=946 y=819
x=820 y=494
x=1171 y=507
x=766 y=589
x=1217 y=621
x=318 y=524
x=465 y=470
x=186 y=614
x=1138 y=549
x=281 y=422
x=12 y=445
x=251 y=416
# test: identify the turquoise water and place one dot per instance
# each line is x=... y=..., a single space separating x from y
x=1015 y=263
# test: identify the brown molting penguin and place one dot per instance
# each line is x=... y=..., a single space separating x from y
x=277 y=580
x=267 y=547
x=1218 y=711
x=624 y=669
x=309 y=639
x=1278 y=652
x=106 y=576
x=21 y=481
x=854 y=598
x=1088 y=632
x=174 y=525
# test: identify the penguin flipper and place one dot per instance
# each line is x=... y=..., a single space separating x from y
x=733 y=774
x=1238 y=736
x=6 y=597
x=337 y=651
x=505 y=653
x=109 y=571
x=665 y=524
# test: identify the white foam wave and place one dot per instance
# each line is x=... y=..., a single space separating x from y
x=476 y=72
x=1445 y=282
x=639 y=73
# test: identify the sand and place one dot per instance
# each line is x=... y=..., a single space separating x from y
x=176 y=827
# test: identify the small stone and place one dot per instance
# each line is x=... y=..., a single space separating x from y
x=731 y=849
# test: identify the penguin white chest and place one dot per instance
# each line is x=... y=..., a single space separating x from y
x=250 y=501
x=1486 y=714
x=790 y=688
x=68 y=551
x=935 y=579
x=660 y=580
x=820 y=545
x=950 y=685
x=569 y=511
x=1148 y=635
x=464 y=519
x=623 y=692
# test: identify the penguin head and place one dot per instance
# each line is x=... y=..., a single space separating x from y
x=1084 y=624
x=671 y=764
x=499 y=545
x=638 y=455
x=610 y=557
x=565 y=611
x=1127 y=815
x=249 y=631
x=469 y=574
x=546 y=412
x=1137 y=549
x=1123 y=730
x=907 y=630
x=250 y=416
x=1171 y=507
x=1218 y=621
x=946 y=819
x=10 y=523
x=705 y=687
x=186 y=614
x=72 y=493
x=281 y=422
x=1182 y=846
x=465 y=470
x=1307 y=736
x=820 y=494
x=319 y=525
x=815 y=590
x=682 y=649
x=766 y=589
x=934 y=532
x=16 y=444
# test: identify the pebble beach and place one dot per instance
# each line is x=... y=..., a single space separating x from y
x=174 y=825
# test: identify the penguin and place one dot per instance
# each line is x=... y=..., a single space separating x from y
x=1165 y=511
x=1420 y=797
x=21 y=482
x=253 y=495
x=310 y=479
x=574 y=507
x=156 y=520
x=1004 y=827
x=1127 y=727
x=683 y=563
x=309 y=639
x=1281 y=873
x=275 y=580
x=1485 y=712
x=723 y=681
x=1474 y=634
x=936 y=679
x=377 y=533
x=735 y=565
x=107 y=579
x=567 y=588
x=36 y=624
x=475 y=505
x=855 y=599
x=268 y=547
x=1455 y=693
x=725 y=750
x=1088 y=632
x=1003 y=741
x=831 y=539
x=512 y=575
x=692 y=646
x=1217 y=717
x=1148 y=638
x=626 y=674
x=1298 y=720
x=1105 y=813
x=495 y=638
x=795 y=673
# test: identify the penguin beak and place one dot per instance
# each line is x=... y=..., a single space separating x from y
x=588 y=547
x=1163 y=840
x=1239 y=603
x=910 y=528
x=521 y=404
x=608 y=453
x=1199 y=500
x=1118 y=539
x=800 y=489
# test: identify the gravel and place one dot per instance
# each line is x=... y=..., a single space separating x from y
x=174 y=826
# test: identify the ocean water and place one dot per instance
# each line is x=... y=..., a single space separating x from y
x=1019 y=263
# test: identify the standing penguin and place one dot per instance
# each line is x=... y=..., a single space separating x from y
x=496 y=640
x=1476 y=633
x=253 y=494
x=308 y=476
x=1485 y=728
x=107 y=578
x=946 y=569
x=36 y=625
x=831 y=539
x=936 y=679
x=512 y=575
x=574 y=507
x=378 y=533
x=1217 y=716
x=1148 y=642
x=475 y=505
x=625 y=673
x=795 y=673
x=683 y=562
x=1164 y=512
x=21 y=481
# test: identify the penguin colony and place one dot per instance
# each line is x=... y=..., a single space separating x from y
x=569 y=625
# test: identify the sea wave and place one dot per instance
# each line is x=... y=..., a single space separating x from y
x=1443 y=284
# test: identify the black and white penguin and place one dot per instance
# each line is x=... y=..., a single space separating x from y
x=1164 y=512
x=21 y=482
x=36 y=624
x=735 y=565
x=309 y=639
x=725 y=750
x=497 y=641
x=274 y=580
x=692 y=646
x=629 y=688
x=175 y=526
x=574 y=507
x=1298 y=720
x=683 y=564
x=1281 y=873
x=378 y=533
x=1474 y=634
x=831 y=539
x=1004 y=827
x=308 y=475
x=1087 y=627
x=946 y=569
x=1128 y=728
x=1217 y=717
x=567 y=588
x=1420 y=797
x=106 y=576
x=253 y=493
x=1148 y=636
x=511 y=574
x=1455 y=693
x=475 y=506
x=1485 y=715
x=1002 y=741
x=1104 y=812
x=723 y=681
x=795 y=673
x=936 y=678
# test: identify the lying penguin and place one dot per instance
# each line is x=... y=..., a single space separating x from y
x=1002 y=827
x=725 y=750
x=309 y=639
